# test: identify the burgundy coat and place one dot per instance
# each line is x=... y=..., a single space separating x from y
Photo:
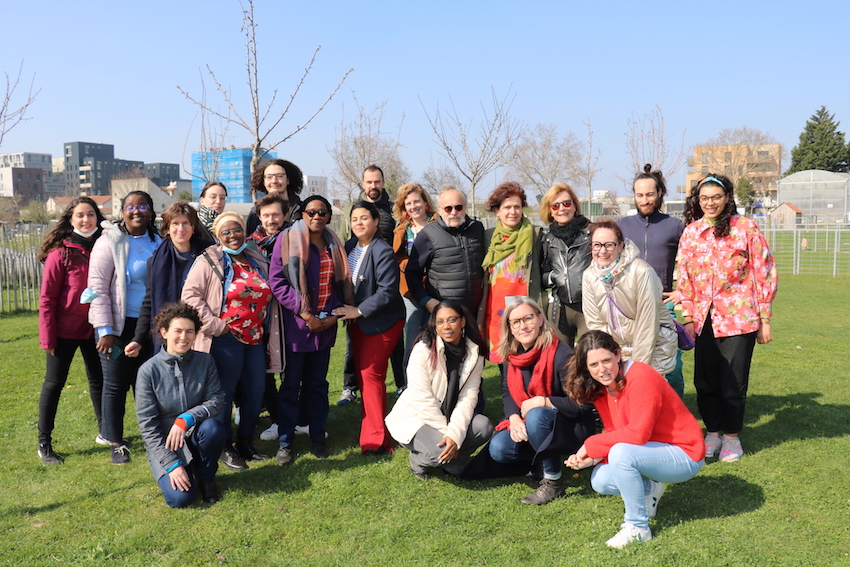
x=66 y=273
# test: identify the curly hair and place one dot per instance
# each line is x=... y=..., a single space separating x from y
x=658 y=177
x=64 y=228
x=505 y=191
x=173 y=211
x=399 y=212
x=549 y=197
x=693 y=210
x=509 y=345
x=293 y=175
x=580 y=385
x=151 y=223
x=428 y=335
x=171 y=311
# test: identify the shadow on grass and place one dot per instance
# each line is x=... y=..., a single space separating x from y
x=773 y=420
x=730 y=496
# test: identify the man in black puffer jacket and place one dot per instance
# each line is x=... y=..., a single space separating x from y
x=445 y=262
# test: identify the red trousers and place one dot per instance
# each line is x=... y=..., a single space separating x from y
x=371 y=356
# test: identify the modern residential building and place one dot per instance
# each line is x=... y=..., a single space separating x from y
x=162 y=173
x=28 y=160
x=89 y=167
x=231 y=167
x=760 y=163
x=315 y=185
x=23 y=183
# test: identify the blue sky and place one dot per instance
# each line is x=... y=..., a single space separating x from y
x=109 y=70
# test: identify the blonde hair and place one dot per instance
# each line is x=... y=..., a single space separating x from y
x=403 y=192
x=546 y=201
x=227 y=216
x=509 y=344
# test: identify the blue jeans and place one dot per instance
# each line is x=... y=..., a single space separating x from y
x=311 y=369
x=538 y=423
x=244 y=367
x=630 y=467
x=206 y=443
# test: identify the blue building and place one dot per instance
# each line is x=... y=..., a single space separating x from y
x=231 y=167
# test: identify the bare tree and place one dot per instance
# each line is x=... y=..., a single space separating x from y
x=261 y=123
x=477 y=149
x=13 y=113
x=363 y=141
x=438 y=176
x=588 y=170
x=212 y=139
x=542 y=157
x=648 y=142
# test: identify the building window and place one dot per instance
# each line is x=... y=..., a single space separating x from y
x=705 y=169
x=727 y=157
x=704 y=158
x=764 y=154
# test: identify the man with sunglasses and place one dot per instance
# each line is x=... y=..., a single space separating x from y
x=448 y=254
x=656 y=236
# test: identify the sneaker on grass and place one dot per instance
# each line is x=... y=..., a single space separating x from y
x=629 y=533
x=48 y=457
x=731 y=450
x=348 y=395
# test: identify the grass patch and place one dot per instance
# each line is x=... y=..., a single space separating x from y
x=785 y=503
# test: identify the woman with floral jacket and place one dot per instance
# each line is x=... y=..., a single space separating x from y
x=727 y=281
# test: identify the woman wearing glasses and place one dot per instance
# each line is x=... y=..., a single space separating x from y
x=377 y=319
x=727 y=282
x=512 y=262
x=275 y=176
x=621 y=295
x=541 y=423
x=228 y=285
x=565 y=254
x=118 y=273
x=310 y=278
x=434 y=418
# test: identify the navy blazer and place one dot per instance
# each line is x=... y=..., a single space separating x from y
x=376 y=288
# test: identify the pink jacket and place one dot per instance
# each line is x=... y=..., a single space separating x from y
x=204 y=290
x=66 y=272
x=733 y=276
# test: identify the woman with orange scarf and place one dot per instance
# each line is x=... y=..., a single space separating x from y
x=541 y=421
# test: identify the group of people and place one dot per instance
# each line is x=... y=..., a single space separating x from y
x=203 y=312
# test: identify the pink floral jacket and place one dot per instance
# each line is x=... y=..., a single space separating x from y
x=734 y=277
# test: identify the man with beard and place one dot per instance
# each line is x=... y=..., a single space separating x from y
x=656 y=235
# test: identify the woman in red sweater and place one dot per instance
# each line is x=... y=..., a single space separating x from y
x=650 y=437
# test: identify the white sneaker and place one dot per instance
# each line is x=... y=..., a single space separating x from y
x=627 y=534
x=305 y=430
x=101 y=440
x=270 y=434
x=712 y=444
x=653 y=496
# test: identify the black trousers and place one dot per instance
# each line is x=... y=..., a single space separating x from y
x=119 y=375
x=721 y=378
x=55 y=377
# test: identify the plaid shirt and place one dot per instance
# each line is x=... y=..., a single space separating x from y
x=326 y=278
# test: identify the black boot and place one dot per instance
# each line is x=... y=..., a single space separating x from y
x=245 y=447
x=209 y=491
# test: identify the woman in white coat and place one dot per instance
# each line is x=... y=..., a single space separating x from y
x=621 y=295
x=435 y=416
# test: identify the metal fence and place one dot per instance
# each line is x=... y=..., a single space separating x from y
x=815 y=250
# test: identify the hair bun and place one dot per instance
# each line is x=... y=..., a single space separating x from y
x=647 y=168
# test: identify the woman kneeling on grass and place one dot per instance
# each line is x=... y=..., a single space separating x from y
x=176 y=392
x=650 y=437
x=435 y=416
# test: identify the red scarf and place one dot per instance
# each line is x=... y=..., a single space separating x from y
x=543 y=362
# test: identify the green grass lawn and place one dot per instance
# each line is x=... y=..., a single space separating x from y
x=785 y=503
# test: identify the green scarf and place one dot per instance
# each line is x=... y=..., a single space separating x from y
x=520 y=239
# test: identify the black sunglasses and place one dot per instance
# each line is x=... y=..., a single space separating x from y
x=321 y=212
x=457 y=208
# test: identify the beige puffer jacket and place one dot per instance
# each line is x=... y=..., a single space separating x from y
x=642 y=325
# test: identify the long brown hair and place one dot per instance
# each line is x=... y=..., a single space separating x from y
x=580 y=385
x=64 y=229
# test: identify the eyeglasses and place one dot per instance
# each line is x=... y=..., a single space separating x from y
x=713 y=198
x=527 y=320
x=457 y=208
x=136 y=208
x=234 y=231
x=609 y=246
x=450 y=320
x=566 y=204
x=321 y=212
x=271 y=176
